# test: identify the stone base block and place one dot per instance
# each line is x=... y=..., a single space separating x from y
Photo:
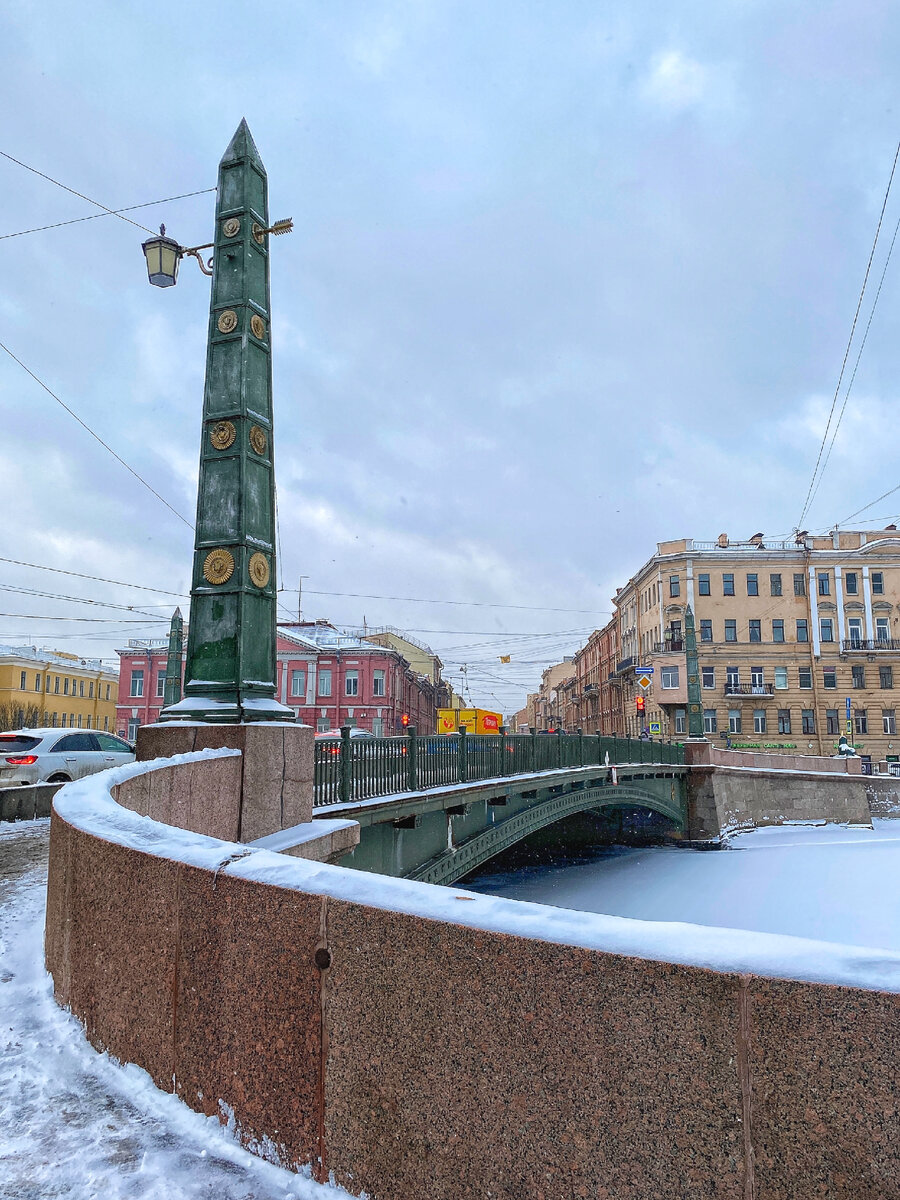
x=277 y=768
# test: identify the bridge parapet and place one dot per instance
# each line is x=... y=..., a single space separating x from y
x=703 y=753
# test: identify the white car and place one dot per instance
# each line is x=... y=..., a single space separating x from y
x=58 y=755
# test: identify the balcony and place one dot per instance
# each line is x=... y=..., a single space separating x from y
x=625 y=665
x=867 y=645
x=749 y=689
x=671 y=647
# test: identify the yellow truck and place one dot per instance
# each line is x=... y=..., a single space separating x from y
x=473 y=720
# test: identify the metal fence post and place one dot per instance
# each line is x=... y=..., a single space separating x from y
x=345 y=766
x=559 y=737
x=598 y=736
x=533 y=750
x=463 y=756
x=580 y=746
x=412 y=759
x=503 y=745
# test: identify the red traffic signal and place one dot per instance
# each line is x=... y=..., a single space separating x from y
x=404 y=720
x=639 y=703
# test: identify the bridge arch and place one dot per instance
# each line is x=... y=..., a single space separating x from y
x=660 y=795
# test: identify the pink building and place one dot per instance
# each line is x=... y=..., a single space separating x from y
x=330 y=678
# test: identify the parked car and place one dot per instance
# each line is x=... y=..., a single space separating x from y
x=334 y=736
x=58 y=755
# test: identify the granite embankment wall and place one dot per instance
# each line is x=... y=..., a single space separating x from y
x=732 y=789
x=421 y=1055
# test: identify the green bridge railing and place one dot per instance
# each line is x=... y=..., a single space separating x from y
x=348 y=768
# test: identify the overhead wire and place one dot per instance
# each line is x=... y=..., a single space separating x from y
x=114 y=212
x=107 y=211
x=469 y=603
x=96 y=436
x=856 y=364
x=18 y=562
x=862 y=293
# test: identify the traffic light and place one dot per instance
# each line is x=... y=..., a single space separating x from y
x=639 y=703
x=404 y=720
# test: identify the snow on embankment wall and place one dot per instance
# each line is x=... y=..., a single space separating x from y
x=417 y=1040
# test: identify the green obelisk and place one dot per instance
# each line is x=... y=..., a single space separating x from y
x=695 y=713
x=230 y=666
x=172 y=690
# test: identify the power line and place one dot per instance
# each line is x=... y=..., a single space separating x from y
x=90 y=620
x=837 y=389
x=115 y=212
x=890 y=492
x=95 y=436
x=856 y=364
x=6 y=587
x=17 y=562
x=468 y=603
x=108 y=211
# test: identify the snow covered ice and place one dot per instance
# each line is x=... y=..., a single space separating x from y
x=75 y=1123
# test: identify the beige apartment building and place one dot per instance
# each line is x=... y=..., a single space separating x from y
x=791 y=637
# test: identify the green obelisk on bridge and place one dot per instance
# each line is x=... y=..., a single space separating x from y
x=695 y=715
x=231 y=659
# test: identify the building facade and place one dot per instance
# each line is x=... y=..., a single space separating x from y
x=798 y=642
x=553 y=702
x=142 y=683
x=597 y=700
x=50 y=687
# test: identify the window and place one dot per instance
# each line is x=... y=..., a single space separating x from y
x=851 y=583
x=37 y=683
x=757 y=679
x=732 y=679
x=752 y=585
x=674 y=585
x=106 y=722
x=860 y=720
x=91 y=690
x=805 y=681
x=802 y=631
x=781 y=679
x=832 y=723
x=378 y=727
x=107 y=691
x=66 y=688
x=137 y=683
x=703 y=585
x=888 y=721
x=87 y=721
x=886 y=677
x=351 y=683
x=882 y=629
x=681 y=720
x=706 y=631
x=778 y=631
x=708 y=676
x=859 y=676
x=854 y=628
x=756 y=631
x=79 y=720
x=784 y=720
x=669 y=677
x=23 y=681
x=161 y=683
x=731 y=631
x=829 y=678
x=734 y=720
x=322 y=725
x=378 y=683
x=826 y=629
x=62 y=720
x=799 y=585
x=759 y=720
x=298 y=681
x=710 y=723
x=727 y=584
x=824 y=583
x=80 y=688
x=325 y=683
x=774 y=585
x=877 y=578
x=133 y=726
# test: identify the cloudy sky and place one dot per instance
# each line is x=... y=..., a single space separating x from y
x=566 y=280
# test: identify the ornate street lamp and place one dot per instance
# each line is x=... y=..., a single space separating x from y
x=163 y=256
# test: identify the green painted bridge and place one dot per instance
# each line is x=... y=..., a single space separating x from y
x=441 y=831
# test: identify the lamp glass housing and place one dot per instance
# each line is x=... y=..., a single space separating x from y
x=163 y=256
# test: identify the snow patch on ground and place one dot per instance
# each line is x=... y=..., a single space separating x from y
x=77 y=1124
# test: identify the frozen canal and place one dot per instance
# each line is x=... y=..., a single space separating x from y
x=833 y=883
x=74 y=1123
